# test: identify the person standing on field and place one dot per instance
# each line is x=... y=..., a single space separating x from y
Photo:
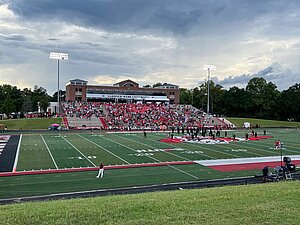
x=101 y=170
x=277 y=144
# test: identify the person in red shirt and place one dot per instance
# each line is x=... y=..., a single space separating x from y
x=101 y=170
x=277 y=144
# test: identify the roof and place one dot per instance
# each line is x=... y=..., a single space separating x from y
x=78 y=80
x=166 y=84
x=126 y=82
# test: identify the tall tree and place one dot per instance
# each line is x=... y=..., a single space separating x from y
x=199 y=96
x=8 y=106
x=185 y=96
x=62 y=96
x=236 y=102
x=263 y=97
x=44 y=103
x=216 y=98
x=289 y=106
x=27 y=104
x=39 y=94
x=15 y=95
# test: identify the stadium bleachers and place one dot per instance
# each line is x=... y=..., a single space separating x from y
x=133 y=116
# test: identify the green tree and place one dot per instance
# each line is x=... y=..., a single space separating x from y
x=39 y=94
x=44 y=103
x=216 y=98
x=62 y=96
x=236 y=102
x=8 y=106
x=199 y=96
x=263 y=97
x=185 y=96
x=15 y=95
x=27 y=104
x=289 y=106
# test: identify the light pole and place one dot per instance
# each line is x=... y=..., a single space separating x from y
x=208 y=68
x=58 y=56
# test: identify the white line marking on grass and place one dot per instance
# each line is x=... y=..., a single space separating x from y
x=252 y=147
x=17 y=155
x=153 y=147
x=231 y=149
x=79 y=151
x=154 y=158
x=210 y=149
x=260 y=145
x=104 y=149
x=182 y=171
x=151 y=139
x=49 y=151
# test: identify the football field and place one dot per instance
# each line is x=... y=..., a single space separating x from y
x=130 y=159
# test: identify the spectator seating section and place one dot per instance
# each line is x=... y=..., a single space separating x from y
x=124 y=116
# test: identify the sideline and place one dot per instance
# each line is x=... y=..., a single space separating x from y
x=17 y=155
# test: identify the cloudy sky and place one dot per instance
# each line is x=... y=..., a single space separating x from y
x=149 y=41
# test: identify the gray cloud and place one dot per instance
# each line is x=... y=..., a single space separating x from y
x=176 y=16
x=167 y=40
x=53 y=39
x=275 y=73
x=14 y=37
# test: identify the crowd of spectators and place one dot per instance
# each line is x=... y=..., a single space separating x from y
x=82 y=110
x=150 y=116
x=128 y=116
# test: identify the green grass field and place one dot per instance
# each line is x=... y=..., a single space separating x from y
x=44 y=123
x=59 y=150
x=239 y=122
x=263 y=204
x=56 y=150
x=30 y=124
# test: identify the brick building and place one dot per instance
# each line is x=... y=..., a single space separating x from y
x=124 y=91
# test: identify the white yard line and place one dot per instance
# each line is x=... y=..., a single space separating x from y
x=79 y=151
x=224 y=153
x=49 y=151
x=164 y=151
x=104 y=149
x=17 y=155
x=154 y=158
x=182 y=171
x=271 y=146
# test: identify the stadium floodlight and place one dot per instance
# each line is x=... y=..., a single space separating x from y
x=208 y=68
x=58 y=56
